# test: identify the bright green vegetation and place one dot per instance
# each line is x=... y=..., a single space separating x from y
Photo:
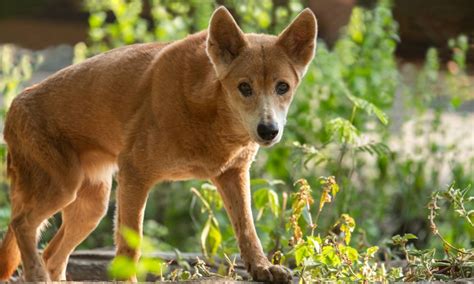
x=380 y=197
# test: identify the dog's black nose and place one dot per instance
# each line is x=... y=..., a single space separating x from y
x=267 y=131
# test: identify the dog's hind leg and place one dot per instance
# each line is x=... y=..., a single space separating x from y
x=26 y=223
x=79 y=218
x=36 y=196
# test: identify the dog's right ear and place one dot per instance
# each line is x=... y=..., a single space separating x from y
x=299 y=39
x=225 y=40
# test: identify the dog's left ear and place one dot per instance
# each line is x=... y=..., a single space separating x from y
x=225 y=40
x=299 y=39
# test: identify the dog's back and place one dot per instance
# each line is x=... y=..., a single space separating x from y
x=82 y=101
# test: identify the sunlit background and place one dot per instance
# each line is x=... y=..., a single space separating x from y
x=387 y=108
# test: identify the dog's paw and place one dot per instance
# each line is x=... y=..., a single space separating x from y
x=271 y=273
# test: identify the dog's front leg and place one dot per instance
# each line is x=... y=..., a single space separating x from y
x=234 y=187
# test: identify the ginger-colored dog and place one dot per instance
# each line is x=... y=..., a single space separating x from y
x=197 y=108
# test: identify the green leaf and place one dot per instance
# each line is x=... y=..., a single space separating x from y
x=215 y=237
x=264 y=19
x=368 y=107
x=372 y=251
x=266 y=198
x=97 y=19
x=201 y=198
x=410 y=237
x=334 y=189
x=373 y=148
x=356 y=27
x=122 y=267
x=131 y=237
x=329 y=256
x=204 y=234
x=302 y=251
x=258 y=181
x=456 y=101
x=347 y=226
x=273 y=202
x=350 y=252
x=342 y=130
x=315 y=243
x=260 y=198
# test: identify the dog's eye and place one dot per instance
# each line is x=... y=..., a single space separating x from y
x=245 y=89
x=281 y=88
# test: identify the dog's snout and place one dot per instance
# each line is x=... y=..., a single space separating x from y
x=267 y=131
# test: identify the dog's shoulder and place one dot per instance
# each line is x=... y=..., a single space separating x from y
x=181 y=53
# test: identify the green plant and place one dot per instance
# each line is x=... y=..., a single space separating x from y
x=167 y=20
x=427 y=265
x=211 y=236
x=123 y=267
x=330 y=256
x=16 y=69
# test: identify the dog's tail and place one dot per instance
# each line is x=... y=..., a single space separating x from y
x=10 y=256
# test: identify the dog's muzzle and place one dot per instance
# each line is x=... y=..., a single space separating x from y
x=267 y=132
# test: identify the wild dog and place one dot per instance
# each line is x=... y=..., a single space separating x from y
x=197 y=108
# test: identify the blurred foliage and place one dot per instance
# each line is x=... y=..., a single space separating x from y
x=15 y=70
x=377 y=130
x=123 y=267
x=165 y=20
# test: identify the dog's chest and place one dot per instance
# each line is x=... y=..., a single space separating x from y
x=203 y=161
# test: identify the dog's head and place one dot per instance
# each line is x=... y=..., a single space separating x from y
x=260 y=73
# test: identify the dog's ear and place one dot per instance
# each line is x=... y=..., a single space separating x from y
x=299 y=39
x=225 y=40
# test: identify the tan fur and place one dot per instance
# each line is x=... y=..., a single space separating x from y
x=157 y=112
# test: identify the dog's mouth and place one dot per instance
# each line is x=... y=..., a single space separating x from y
x=266 y=143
